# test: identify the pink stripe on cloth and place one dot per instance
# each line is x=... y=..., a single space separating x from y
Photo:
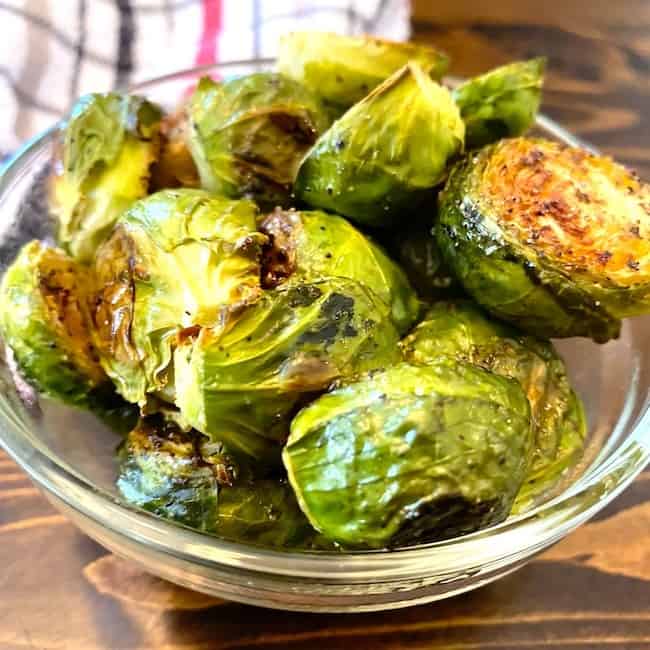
x=208 y=51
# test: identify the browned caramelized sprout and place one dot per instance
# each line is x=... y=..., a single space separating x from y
x=552 y=238
x=43 y=321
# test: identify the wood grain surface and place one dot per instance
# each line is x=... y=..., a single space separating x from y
x=60 y=590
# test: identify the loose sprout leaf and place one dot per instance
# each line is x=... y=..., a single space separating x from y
x=101 y=165
x=248 y=135
x=344 y=69
x=461 y=331
x=242 y=382
x=386 y=152
x=554 y=239
x=410 y=454
x=314 y=245
x=177 y=261
x=43 y=321
x=501 y=103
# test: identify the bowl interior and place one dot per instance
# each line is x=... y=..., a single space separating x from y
x=612 y=379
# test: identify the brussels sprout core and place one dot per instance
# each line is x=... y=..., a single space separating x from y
x=554 y=239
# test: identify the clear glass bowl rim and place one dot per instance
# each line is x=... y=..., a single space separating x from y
x=508 y=543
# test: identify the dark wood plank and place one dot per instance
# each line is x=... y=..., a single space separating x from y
x=599 y=59
x=60 y=590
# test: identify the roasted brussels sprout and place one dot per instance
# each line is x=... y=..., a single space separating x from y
x=461 y=331
x=248 y=135
x=501 y=103
x=386 y=152
x=163 y=470
x=241 y=383
x=101 y=165
x=418 y=253
x=551 y=238
x=410 y=454
x=42 y=320
x=177 y=261
x=313 y=245
x=266 y=513
x=175 y=166
x=182 y=477
x=344 y=69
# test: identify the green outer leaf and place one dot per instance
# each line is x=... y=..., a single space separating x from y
x=410 y=454
x=166 y=472
x=462 y=332
x=97 y=126
x=240 y=384
x=248 y=135
x=161 y=471
x=57 y=362
x=266 y=513
x=322 y=245
x=94 y=134
x=508 y=279
x=386 y=152
x=344 y=69
x=501 y=103
x=186 y=258
x=108 y=144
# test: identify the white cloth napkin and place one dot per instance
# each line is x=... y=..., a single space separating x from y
x=52 y=51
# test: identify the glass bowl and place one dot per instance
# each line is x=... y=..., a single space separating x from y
x=69 y=455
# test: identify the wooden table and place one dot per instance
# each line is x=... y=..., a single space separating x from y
x=60 y=590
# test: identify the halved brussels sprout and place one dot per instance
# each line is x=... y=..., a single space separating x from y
x=411 y=454
x=417 y=251
x=163 y=470
x=313 y=245
x=241 y=383
x=177 y=261
x=386 y=153
x=501 y=103
x=175 y=166
x=182 y=477
x=101 y=165
x=461 y=331
x=551 y=238
x=42 y=320
x=248 y=135
x=344 y=69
